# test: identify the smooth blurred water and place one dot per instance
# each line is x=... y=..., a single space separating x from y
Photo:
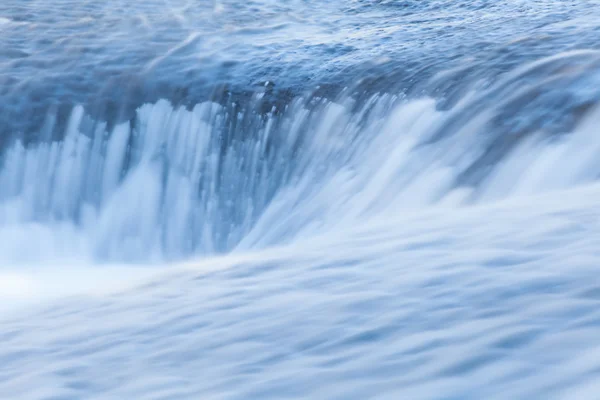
x=342 y=199
x=497 y=301
x=167 y=130
x=174 y=182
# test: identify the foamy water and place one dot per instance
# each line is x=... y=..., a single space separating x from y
x=390 y=199
x=495 y=302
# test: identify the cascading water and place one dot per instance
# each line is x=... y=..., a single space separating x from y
x=175 y=182
x=267 y=199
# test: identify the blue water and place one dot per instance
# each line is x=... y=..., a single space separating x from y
x=347 y=199
x=222 y=115
x=113 y=56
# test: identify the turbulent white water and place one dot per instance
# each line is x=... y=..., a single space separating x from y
x=299 y=199
x=485 y=302
x=169 y=184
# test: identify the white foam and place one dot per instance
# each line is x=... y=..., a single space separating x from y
x=495 y=301
x=166 y=189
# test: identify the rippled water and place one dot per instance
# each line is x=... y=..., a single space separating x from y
x=398 y=195
x=113 y=56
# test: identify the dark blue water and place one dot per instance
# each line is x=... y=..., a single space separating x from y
x=114 y=56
